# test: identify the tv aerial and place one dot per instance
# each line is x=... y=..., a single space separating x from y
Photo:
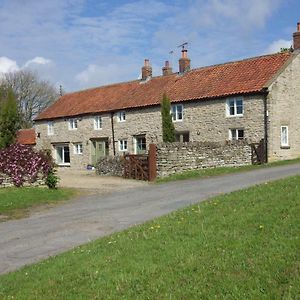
x=183 y=45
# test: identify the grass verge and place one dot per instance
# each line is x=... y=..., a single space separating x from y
x=209 y=172
x=15 y=202
x=244 y=245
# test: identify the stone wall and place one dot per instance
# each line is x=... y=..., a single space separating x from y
x=284 y=110
x=178 y=157
x=5 y=181
x=110 y=166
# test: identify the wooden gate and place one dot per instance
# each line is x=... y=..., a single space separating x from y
x=141 y=166
x=258 y=152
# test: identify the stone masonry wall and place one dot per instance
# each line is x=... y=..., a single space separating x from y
x=5 y=181
x=205 y=121
x=284 y=110
x=178 y=157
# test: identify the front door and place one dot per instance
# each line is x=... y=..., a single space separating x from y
x=99 y=149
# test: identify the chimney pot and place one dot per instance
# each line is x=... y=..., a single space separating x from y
x=167 y=70
x=184 y=62
x=296 y=38
x=146 y=70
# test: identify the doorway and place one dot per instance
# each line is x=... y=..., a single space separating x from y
x=140 y=146
x=99 y=149
x=62 y=155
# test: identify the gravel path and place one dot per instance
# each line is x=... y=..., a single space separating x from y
x=76 y=222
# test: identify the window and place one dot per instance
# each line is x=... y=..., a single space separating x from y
x=177 y=112
x=121 y=116
x=140 y=144
x=235 y=107
x=122 y=145
x=73 y=125
x=284 y=136
x=62 y=155
x=50 y=128
x=78 y=148
x=97 y=123
x=236 y=134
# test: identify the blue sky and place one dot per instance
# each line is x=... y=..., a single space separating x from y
x=85 y=43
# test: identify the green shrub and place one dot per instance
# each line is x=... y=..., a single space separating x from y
x=52 y=179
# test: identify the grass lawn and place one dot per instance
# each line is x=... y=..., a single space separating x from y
x=14 y=202
x=244 y=245
x=222 y=171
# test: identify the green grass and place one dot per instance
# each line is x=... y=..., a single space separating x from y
x=15 y=202
x=244 y=245
x=209 y=172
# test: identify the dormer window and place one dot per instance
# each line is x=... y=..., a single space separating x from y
x=121 y=116
x=73 y=124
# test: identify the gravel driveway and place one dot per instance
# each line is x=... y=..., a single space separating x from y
x=88 y=181
x=76 y=222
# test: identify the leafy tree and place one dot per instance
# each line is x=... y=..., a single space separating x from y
x=32 y=94
x=9 y=120
x=168 y=129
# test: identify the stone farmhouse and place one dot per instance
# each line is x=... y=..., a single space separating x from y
x=253 y=99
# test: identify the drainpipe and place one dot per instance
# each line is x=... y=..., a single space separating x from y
x=113 y=132
x=266 y=119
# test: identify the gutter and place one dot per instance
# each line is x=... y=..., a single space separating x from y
x=113 y=132
x=266 y=121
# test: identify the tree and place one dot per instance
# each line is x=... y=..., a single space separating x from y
x=32 y=94
x=168 y=129
x=9 y=120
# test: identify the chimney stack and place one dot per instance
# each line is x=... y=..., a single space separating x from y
x=184 y=62
x=296 y=38
x=146 y=70
x=167 y=70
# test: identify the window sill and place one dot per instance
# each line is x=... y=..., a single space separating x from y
x=285 y=147
x=234 y=116
x=64 y=165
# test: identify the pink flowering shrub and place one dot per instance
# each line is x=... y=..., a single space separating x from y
x=21 y=163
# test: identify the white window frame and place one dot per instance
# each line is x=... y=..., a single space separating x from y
x=77 y=148
x=235 y=114
x=97 y=122
x=50 y=128
x=121 y=116
x=73 y=124
x=175 y=113
x=123 y=145
x=236 y=134
x=284 y=141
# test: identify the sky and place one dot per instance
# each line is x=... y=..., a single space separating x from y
x=86 y=43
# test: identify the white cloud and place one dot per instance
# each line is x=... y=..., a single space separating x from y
x=79 y=34
x=8 y=65
x=277 y=45
x=38 y=60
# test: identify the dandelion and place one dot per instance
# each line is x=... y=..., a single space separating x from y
x=261 y=226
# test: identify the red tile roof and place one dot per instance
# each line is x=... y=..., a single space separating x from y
x=26 y=136
x=239 y=77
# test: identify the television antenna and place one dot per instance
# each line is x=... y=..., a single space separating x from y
x=183 y=45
